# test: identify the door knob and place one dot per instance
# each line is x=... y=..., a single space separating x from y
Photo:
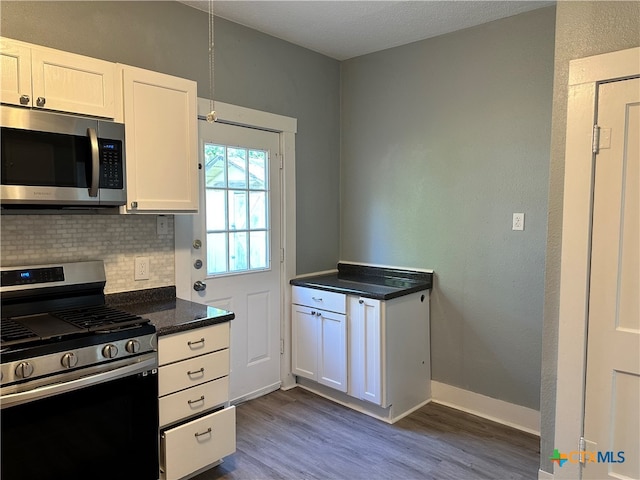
x=197 y=244
x=199 y=286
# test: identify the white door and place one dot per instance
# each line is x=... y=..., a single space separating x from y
x=236 y=236
x=612 y=398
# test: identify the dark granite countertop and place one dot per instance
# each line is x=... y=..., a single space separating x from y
x=168 y=313
x=372 y=282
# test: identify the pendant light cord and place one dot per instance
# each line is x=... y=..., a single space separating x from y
x=211 y=116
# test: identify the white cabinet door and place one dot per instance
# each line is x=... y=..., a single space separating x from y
x=304 y=342
x=160 y=118
x=41 y=77
x=72 y=83
x=332 y=350
x=15 y=70
x=366 y=349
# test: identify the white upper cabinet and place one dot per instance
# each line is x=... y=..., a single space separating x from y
x=40 y=77
x=160 y=117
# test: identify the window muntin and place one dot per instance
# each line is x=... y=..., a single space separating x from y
x=237 y=209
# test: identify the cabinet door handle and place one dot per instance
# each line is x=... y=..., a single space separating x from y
x=316 y=299
x=190 y=373
x=203 y=433
x=191 y=344
x=360 y=301
x=24 y=100
x=40 y=101
x=191 y=402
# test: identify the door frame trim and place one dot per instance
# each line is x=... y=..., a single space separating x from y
x=286 y=128
x=585 y=75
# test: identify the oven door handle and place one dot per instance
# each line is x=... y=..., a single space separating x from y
x=147 y=362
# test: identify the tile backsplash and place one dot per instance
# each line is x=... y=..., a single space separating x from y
x=115 y=239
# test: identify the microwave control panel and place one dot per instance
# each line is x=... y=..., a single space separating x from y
x=111 y=162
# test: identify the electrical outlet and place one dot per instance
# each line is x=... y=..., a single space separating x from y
x=141 y=271
x=162 y=227
x=518 y=221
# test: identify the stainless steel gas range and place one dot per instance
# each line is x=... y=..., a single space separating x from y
x=79 y=384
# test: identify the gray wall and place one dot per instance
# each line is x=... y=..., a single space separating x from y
x=251 y=69
x=442 y=140
x=582 y=29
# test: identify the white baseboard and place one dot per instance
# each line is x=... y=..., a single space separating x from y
x=542 y=475
x=516 y=416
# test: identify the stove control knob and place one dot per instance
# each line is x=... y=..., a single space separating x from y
x=109 y=351
x=24 y=370
x=133 y=346
x=69 y=360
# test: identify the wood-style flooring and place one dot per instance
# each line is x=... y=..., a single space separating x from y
x=296 y=434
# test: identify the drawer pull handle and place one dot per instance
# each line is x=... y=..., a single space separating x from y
x=203 y=433
x=196 y=372
x=191 y=402
x=191 y=344
x=317 y=299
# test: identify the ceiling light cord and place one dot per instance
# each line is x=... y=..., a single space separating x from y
x=211 y=116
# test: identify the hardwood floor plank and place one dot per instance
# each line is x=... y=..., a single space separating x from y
x=296 y=434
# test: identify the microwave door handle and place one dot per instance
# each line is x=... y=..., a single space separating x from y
x=95 y=162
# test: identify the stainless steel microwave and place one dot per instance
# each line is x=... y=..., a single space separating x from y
x=55 y=160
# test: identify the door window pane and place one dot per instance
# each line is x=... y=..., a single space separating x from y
x=238 y=251
x=237 y=209
x=259 y=249
x=216 y=253
x=216 y=210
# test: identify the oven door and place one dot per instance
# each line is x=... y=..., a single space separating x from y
x=103 y=426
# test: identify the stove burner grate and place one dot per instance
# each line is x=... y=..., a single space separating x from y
x=98 y=318
x=12 y=331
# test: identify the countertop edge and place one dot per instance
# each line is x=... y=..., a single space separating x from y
x=362 y=293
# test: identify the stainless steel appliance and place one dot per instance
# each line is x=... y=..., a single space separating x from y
x=79 y=383
x=52 y=159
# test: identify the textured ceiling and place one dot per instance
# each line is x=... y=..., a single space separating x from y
x=346 y=29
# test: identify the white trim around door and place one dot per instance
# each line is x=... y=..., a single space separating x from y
x=584 y=76
x=286 y=127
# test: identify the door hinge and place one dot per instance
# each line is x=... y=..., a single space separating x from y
x=582 y=446
x=281 y=255
x=282 y=346
x=595 y=140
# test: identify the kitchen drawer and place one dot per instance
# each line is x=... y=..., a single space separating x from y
x=193 y=401
x=178 y=346
x=197 y=444
x=191 y=372
x=322 y=299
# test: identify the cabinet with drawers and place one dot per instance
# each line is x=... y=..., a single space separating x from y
x=320 y=336
x=197 y=424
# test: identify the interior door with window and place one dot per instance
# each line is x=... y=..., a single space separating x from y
x=235 y=248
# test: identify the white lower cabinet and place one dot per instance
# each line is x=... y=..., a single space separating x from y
x=385 y=362
x=365 y=349
x=197 y=424
x=190 y=447
x=320 y=336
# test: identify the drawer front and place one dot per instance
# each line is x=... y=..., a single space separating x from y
x=178 y=346
x=322 y=299
x=192 y=372
x=199 y=443
x=193 y=401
